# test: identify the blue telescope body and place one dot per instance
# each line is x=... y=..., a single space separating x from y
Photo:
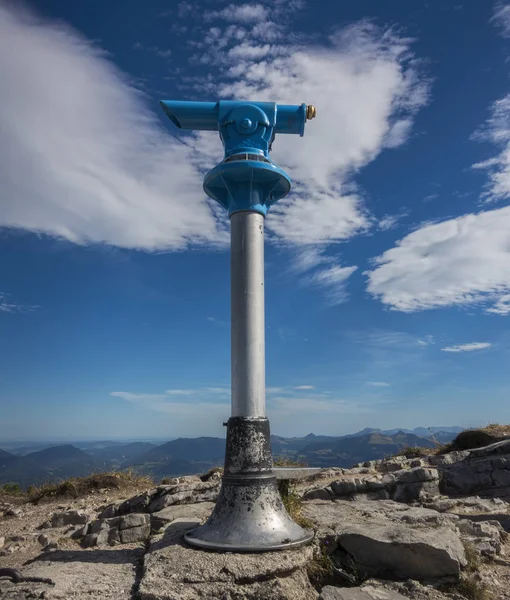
x=247 y=179
x=208 y=116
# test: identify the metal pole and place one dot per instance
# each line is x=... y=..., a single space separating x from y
x=247 y=315
x=249 y=515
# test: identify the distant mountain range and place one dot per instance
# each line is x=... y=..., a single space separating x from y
x=185 y=456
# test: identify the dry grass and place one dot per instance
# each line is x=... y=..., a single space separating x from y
x=320 y=569
x=497 y=430
x=414 y=452
x=77 y=487
x=469 y=584
x=206 y=476
x=293 y=503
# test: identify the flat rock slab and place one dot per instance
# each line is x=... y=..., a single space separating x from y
x=390 y=540
x=295 y=472
x=164 y=517
x=365 y=593
x=175 y=571
x=91 y=574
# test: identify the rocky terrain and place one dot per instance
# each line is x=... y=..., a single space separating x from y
x=431 y=527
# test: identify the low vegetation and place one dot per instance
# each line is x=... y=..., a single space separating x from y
x=477 y=438
x=11 y=489
x=77 y=487
x=470 y=585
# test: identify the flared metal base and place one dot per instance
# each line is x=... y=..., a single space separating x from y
x=249 y=517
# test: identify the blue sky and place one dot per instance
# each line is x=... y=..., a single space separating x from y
x=387 y=266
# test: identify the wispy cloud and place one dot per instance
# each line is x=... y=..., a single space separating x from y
x=7 y=305
x=321 y=271
x=501 y=306
x=304 y=387
x=244 y=13
x=377 y=384
x=501 y=17
x=388 y=222
x=467 y=347
x=217 y=321
x=333 y=281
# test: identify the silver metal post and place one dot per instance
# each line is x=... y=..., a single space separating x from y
x=247 y=315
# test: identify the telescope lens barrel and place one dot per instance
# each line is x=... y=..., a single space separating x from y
x=192 y=115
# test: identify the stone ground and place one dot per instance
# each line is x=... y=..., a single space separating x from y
x=419 y=539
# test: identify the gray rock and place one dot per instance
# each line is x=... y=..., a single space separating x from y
x=70 y=517
x=45 y=525
x=409 y=492
x=43 y=539
x=114 y=536
x=102 y=537
x=345 y=487
x=362 y=593
x=2 y=541
x=448 y=459
x=89 y=540
x=163 y=518
x=80 y=532
x=486 y=536
x=110 y=576
x=14 y=512
x=174 y=571
x=101 y=525
x=400 y=552
x=416 y=475
x=138 y=503
x=133 y=520
x=109 y=512
x=135 y=534
x=502 y=447
x=319 y=494
x=424 y=516
x=169 y=500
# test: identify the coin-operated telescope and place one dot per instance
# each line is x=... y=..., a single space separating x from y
x=249 y=515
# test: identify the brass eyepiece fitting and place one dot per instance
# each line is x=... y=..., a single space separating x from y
x=311 y=112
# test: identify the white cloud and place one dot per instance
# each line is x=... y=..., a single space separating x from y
x=304 y=387
x=461 y=261
x=367 y=88
x=84 y=158
x=377 y=384
x=90 y=163
x=467 y=347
